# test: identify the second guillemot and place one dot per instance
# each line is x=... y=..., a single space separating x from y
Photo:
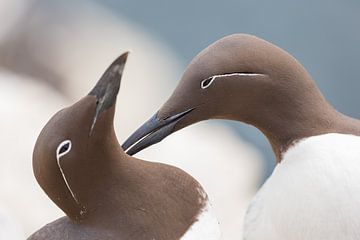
x=105 y=193
x=314 y=191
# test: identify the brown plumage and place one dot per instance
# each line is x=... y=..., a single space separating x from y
x=256 y=83
x=105 y=193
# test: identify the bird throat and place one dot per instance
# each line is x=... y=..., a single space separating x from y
x=82 y=208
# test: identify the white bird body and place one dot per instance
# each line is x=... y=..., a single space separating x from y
x=206 y=227
x=313 y=194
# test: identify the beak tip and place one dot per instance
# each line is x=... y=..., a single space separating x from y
x=120 y=61
x=107 y=88
x=125 y=55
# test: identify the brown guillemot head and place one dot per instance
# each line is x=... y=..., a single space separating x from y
x=70 y=143
x=80 y=165
x=243 y=78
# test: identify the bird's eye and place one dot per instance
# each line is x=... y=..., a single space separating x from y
x=207 y=82
x=63 y=148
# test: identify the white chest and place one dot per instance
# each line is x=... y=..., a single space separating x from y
x=313 y=194
x=205 y=228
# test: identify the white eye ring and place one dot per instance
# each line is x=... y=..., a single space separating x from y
x=207 y=82
x=63 y=148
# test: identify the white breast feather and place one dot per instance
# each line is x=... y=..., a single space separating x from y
x=313 y=194
x=205 y=228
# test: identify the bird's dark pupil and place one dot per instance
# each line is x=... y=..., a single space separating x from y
x=206 y=82
x=64 y=148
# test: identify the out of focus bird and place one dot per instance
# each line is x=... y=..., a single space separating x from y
x=314 y=192
x=20 y=124
x=9 y=228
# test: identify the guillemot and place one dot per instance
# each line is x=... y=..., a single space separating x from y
x=314 y=191
x=105 y=193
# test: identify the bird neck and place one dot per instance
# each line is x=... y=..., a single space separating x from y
x=132 y=194
x=95 y=171
x=298 y=115
x=284 y=131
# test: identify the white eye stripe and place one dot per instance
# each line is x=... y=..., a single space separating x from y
x=63 y=149
x=208 y=81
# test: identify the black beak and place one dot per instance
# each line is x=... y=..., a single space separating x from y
x=152 y=132
x=108 y=87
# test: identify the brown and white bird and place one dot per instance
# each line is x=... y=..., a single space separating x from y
x=105 y=193
x=314 y=191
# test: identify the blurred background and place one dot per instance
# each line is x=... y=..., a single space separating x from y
x=53 y=52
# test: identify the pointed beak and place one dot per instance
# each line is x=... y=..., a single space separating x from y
x=152 y=132
x=108 y=87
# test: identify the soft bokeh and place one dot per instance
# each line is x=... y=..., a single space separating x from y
x=52 y=53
